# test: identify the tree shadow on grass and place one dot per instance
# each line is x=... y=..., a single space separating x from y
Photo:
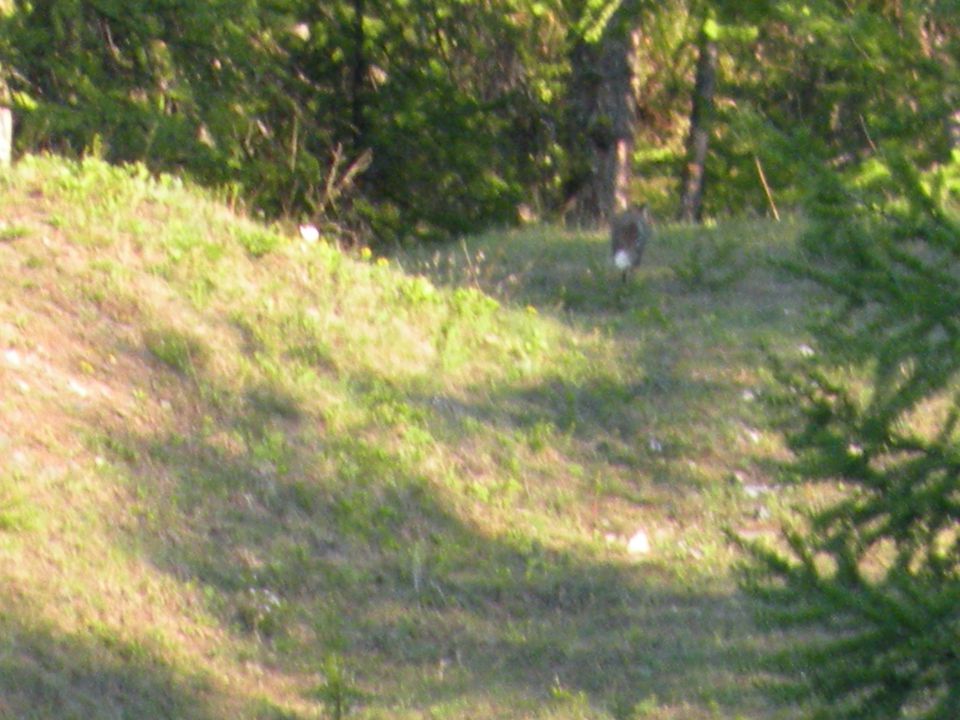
x=318 y=543
x=596 y=408
x=647 y=430
x=615 y=635
x=46 y=674
x=309 y=541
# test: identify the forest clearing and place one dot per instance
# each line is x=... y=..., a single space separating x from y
x=480 y=359
x=235 y=460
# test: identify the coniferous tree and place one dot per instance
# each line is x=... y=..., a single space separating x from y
x=874 y=415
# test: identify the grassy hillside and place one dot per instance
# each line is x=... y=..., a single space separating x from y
x=244 y=476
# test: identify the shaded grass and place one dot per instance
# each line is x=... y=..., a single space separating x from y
x=94 y=674
x=300 y=474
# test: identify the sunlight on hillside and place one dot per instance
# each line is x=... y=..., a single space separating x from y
x=252 y=476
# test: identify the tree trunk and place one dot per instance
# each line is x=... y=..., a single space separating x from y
x=358 y=78
x=694 y=171
x=617 y=102
x=605 y=121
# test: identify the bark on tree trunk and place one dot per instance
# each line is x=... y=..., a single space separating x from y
x=616 y=102
x=358 y=77
x=606 y=118
x=694 y=171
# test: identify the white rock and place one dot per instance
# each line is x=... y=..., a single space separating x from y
x=77 y=389
x=639 y=544
x=755 y=490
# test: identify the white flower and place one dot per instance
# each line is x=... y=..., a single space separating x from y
x=309 y=233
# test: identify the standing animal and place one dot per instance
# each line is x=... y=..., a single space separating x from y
x=629 y=232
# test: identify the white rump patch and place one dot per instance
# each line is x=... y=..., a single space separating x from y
x=309 y=233
x=622 y=259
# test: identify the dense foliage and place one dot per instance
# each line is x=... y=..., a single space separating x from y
x=838 y=82
x=407 y=116
x=873 y=575
x=422 y=118
x=874 y=414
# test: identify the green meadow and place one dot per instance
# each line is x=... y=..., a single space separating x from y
x=248 y=476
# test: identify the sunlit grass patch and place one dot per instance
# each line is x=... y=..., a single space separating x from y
x=9 y=233
x=16 y=513
x=301 y=481
x=177 y=350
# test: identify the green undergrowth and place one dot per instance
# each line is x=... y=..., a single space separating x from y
x=248 y=476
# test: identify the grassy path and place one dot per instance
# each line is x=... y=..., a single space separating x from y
x=251 y=477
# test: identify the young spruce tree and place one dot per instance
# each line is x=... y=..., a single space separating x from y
x=872 y=578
